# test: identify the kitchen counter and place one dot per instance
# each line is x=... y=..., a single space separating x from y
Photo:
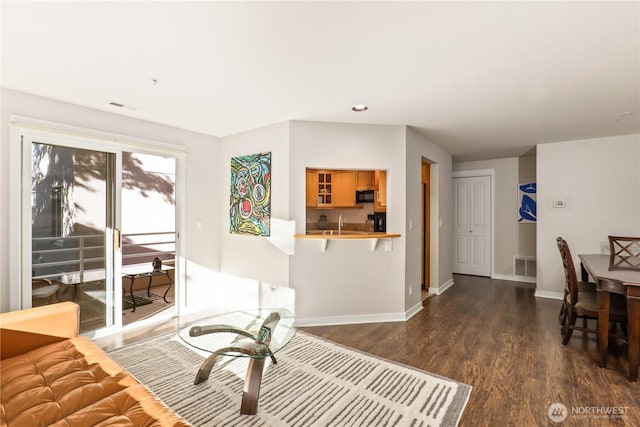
x=323 y=236
x=345 y=234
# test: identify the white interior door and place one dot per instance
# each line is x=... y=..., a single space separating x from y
x=472 y=247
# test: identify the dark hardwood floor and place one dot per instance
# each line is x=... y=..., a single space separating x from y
x=497 y=337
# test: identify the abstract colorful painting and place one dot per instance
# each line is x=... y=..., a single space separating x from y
x=527 y=202
x=250 y=204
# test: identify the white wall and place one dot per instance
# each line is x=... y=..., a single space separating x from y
x=506 y=233
x=202 y=250
x=253 y=257
x=441 y=236
x=599 y=180
x=349 y=282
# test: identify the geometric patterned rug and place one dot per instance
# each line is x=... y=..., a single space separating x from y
x=315 y=383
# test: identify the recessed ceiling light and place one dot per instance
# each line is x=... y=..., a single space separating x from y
x=359 y=107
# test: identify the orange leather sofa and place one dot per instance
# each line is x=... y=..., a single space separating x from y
x=50 y=376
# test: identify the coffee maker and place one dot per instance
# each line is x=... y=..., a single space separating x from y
x=380 y=221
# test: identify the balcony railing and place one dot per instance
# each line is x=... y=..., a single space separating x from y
x=76 y=259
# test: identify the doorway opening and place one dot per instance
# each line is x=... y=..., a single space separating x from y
x=426 y=223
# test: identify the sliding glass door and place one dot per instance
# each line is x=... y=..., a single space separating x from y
x=148 y=235
x=78 y=190
x=74 y=238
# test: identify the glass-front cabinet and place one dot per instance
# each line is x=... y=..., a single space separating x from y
x=325 y=189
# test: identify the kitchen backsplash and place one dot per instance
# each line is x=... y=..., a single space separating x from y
x=349 y=216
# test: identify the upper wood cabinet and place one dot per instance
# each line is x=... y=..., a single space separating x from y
x=380 y=191
x=312 y=188
x=330 y=188
x=337 y=188
x=344 y=189
x=364 y=180
x=325 y=188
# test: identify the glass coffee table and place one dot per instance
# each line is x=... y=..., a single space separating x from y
x=256 y=334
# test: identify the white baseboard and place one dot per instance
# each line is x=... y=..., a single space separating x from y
x=413 y=311
x=360 y=318
x=549 y=294
x=352 y=319
x=514 y=278
x=439 y=290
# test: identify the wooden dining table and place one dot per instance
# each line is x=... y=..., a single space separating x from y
x=615 y=275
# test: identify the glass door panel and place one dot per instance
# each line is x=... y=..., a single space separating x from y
x=148 y=233
x=71 y=230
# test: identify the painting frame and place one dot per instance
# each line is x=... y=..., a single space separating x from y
x=250 y=195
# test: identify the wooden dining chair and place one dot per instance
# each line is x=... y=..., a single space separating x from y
x=583 y=286
x=624 y=252
x=580 y=300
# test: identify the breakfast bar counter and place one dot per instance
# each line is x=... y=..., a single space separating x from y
x=326 y=235
x=348 y=235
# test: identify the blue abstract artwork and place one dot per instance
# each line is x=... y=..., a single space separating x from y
x=527 y=202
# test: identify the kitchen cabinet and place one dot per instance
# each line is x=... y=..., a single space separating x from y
x=380 y=191
x=344 y=195
x=364 y=180
x=325 y=189
x=330 y=188
x=312 y=188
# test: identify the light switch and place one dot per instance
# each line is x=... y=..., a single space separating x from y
x=198 y=224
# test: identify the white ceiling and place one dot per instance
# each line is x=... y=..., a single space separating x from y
x=483 y=79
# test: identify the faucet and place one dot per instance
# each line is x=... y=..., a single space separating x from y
x=340 y=224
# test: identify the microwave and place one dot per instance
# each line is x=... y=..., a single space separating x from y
x=365 y=196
